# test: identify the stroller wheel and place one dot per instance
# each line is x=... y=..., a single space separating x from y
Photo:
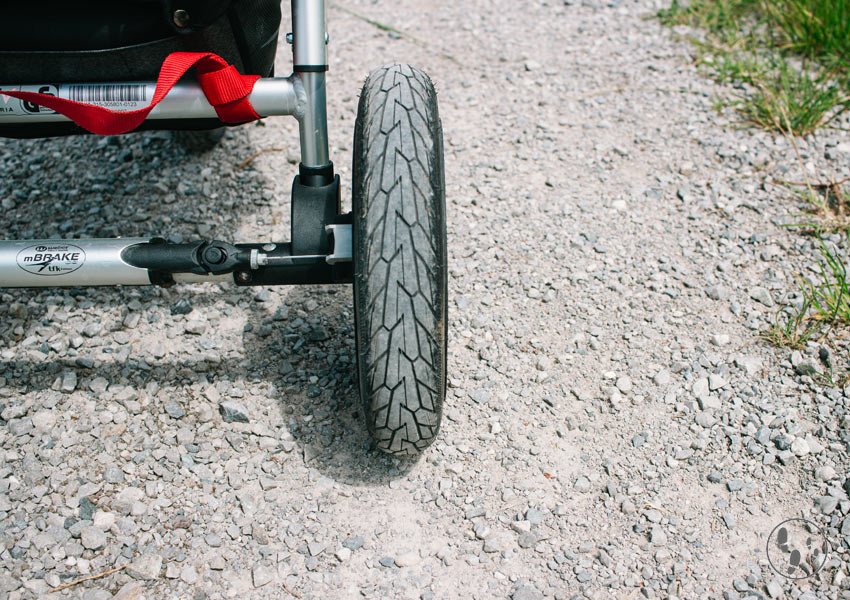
x=200 y=141
x=399 y=238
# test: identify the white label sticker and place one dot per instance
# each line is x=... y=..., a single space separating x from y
x=116 y=96
x=13 y=106
x=51 y=259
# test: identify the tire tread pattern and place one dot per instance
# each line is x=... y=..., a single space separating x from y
x=400 y=259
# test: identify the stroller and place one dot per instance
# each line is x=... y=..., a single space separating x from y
x=110 y=67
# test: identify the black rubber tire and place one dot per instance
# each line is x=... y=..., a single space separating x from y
x=400 y=274
x=198 y=141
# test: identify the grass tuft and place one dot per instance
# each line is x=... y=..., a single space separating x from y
x=816 y=29
x=791 y=100
x=791 y=57
x=825 y=307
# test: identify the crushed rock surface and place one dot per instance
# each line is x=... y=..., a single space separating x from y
x=614 y=426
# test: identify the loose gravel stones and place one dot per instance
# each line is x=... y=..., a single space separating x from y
x=615 y=426
x=145 y=567
x=233 y=412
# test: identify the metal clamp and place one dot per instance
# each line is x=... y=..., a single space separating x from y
x=340 y=236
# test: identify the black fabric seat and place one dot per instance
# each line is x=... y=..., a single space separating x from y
x=67 y=42
x=59 y=42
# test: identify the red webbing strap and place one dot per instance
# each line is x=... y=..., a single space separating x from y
x=225 y=88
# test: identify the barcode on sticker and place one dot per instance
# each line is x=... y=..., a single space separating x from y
x=108 y=93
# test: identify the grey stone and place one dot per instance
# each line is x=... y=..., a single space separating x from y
x=146 y=567
x=261 y=575
x=87 y=509
x=92 y=538
x=195 y=327
x=760 y=294
x=717 y=292
x=827 y=504
x=534 y=516
x=174 y=410
x=182 y=307
x=715 y=382
x=705 y=419
x=69 y=381
x=582 y=484
x=528 y=539
x=354 y=542
x=825 y=473
x=315 y=548
x=700 y=388
x=800 y=447
x=525 y=590
x=232 y=411
x=479 y=396
x=774 y=589
x=113 y=475
x=98 y=385
x=130 y=591
x=662 y=377
x=653 y=515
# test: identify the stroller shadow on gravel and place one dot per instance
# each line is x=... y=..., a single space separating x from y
x=309 y=357
x=304 y=345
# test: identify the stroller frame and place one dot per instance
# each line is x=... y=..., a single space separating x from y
x=392 y=245
x=320 y=247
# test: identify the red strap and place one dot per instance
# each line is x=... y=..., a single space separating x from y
x=225 y=88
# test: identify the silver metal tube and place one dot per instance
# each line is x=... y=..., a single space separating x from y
x=313 y=124
x=309 y=33
x=310 y=60
x=271 y=96
x=60 y=263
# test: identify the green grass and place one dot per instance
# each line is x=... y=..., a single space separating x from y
x=717 y=16
x=816 y=29
x=825 y=306
x=789 y=62
x=783 y=97
x=829 y=208
x=791 y=57
x=830 y=296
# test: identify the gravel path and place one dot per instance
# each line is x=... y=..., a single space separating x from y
x=614 y=429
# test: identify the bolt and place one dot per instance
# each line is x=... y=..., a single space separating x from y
x=181 y=18
x=327 y=38
x=269 y=247
x=214 y=256
x=243 y=276
x=290 y=38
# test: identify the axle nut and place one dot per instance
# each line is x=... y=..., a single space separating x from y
x=214 y=256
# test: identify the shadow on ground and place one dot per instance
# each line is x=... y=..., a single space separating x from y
x=314 y=374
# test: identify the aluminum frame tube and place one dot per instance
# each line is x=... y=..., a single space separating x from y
x=310 y=61
x=313 y=124
x=309 y=34
x=271 y=96
x=66 y=263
